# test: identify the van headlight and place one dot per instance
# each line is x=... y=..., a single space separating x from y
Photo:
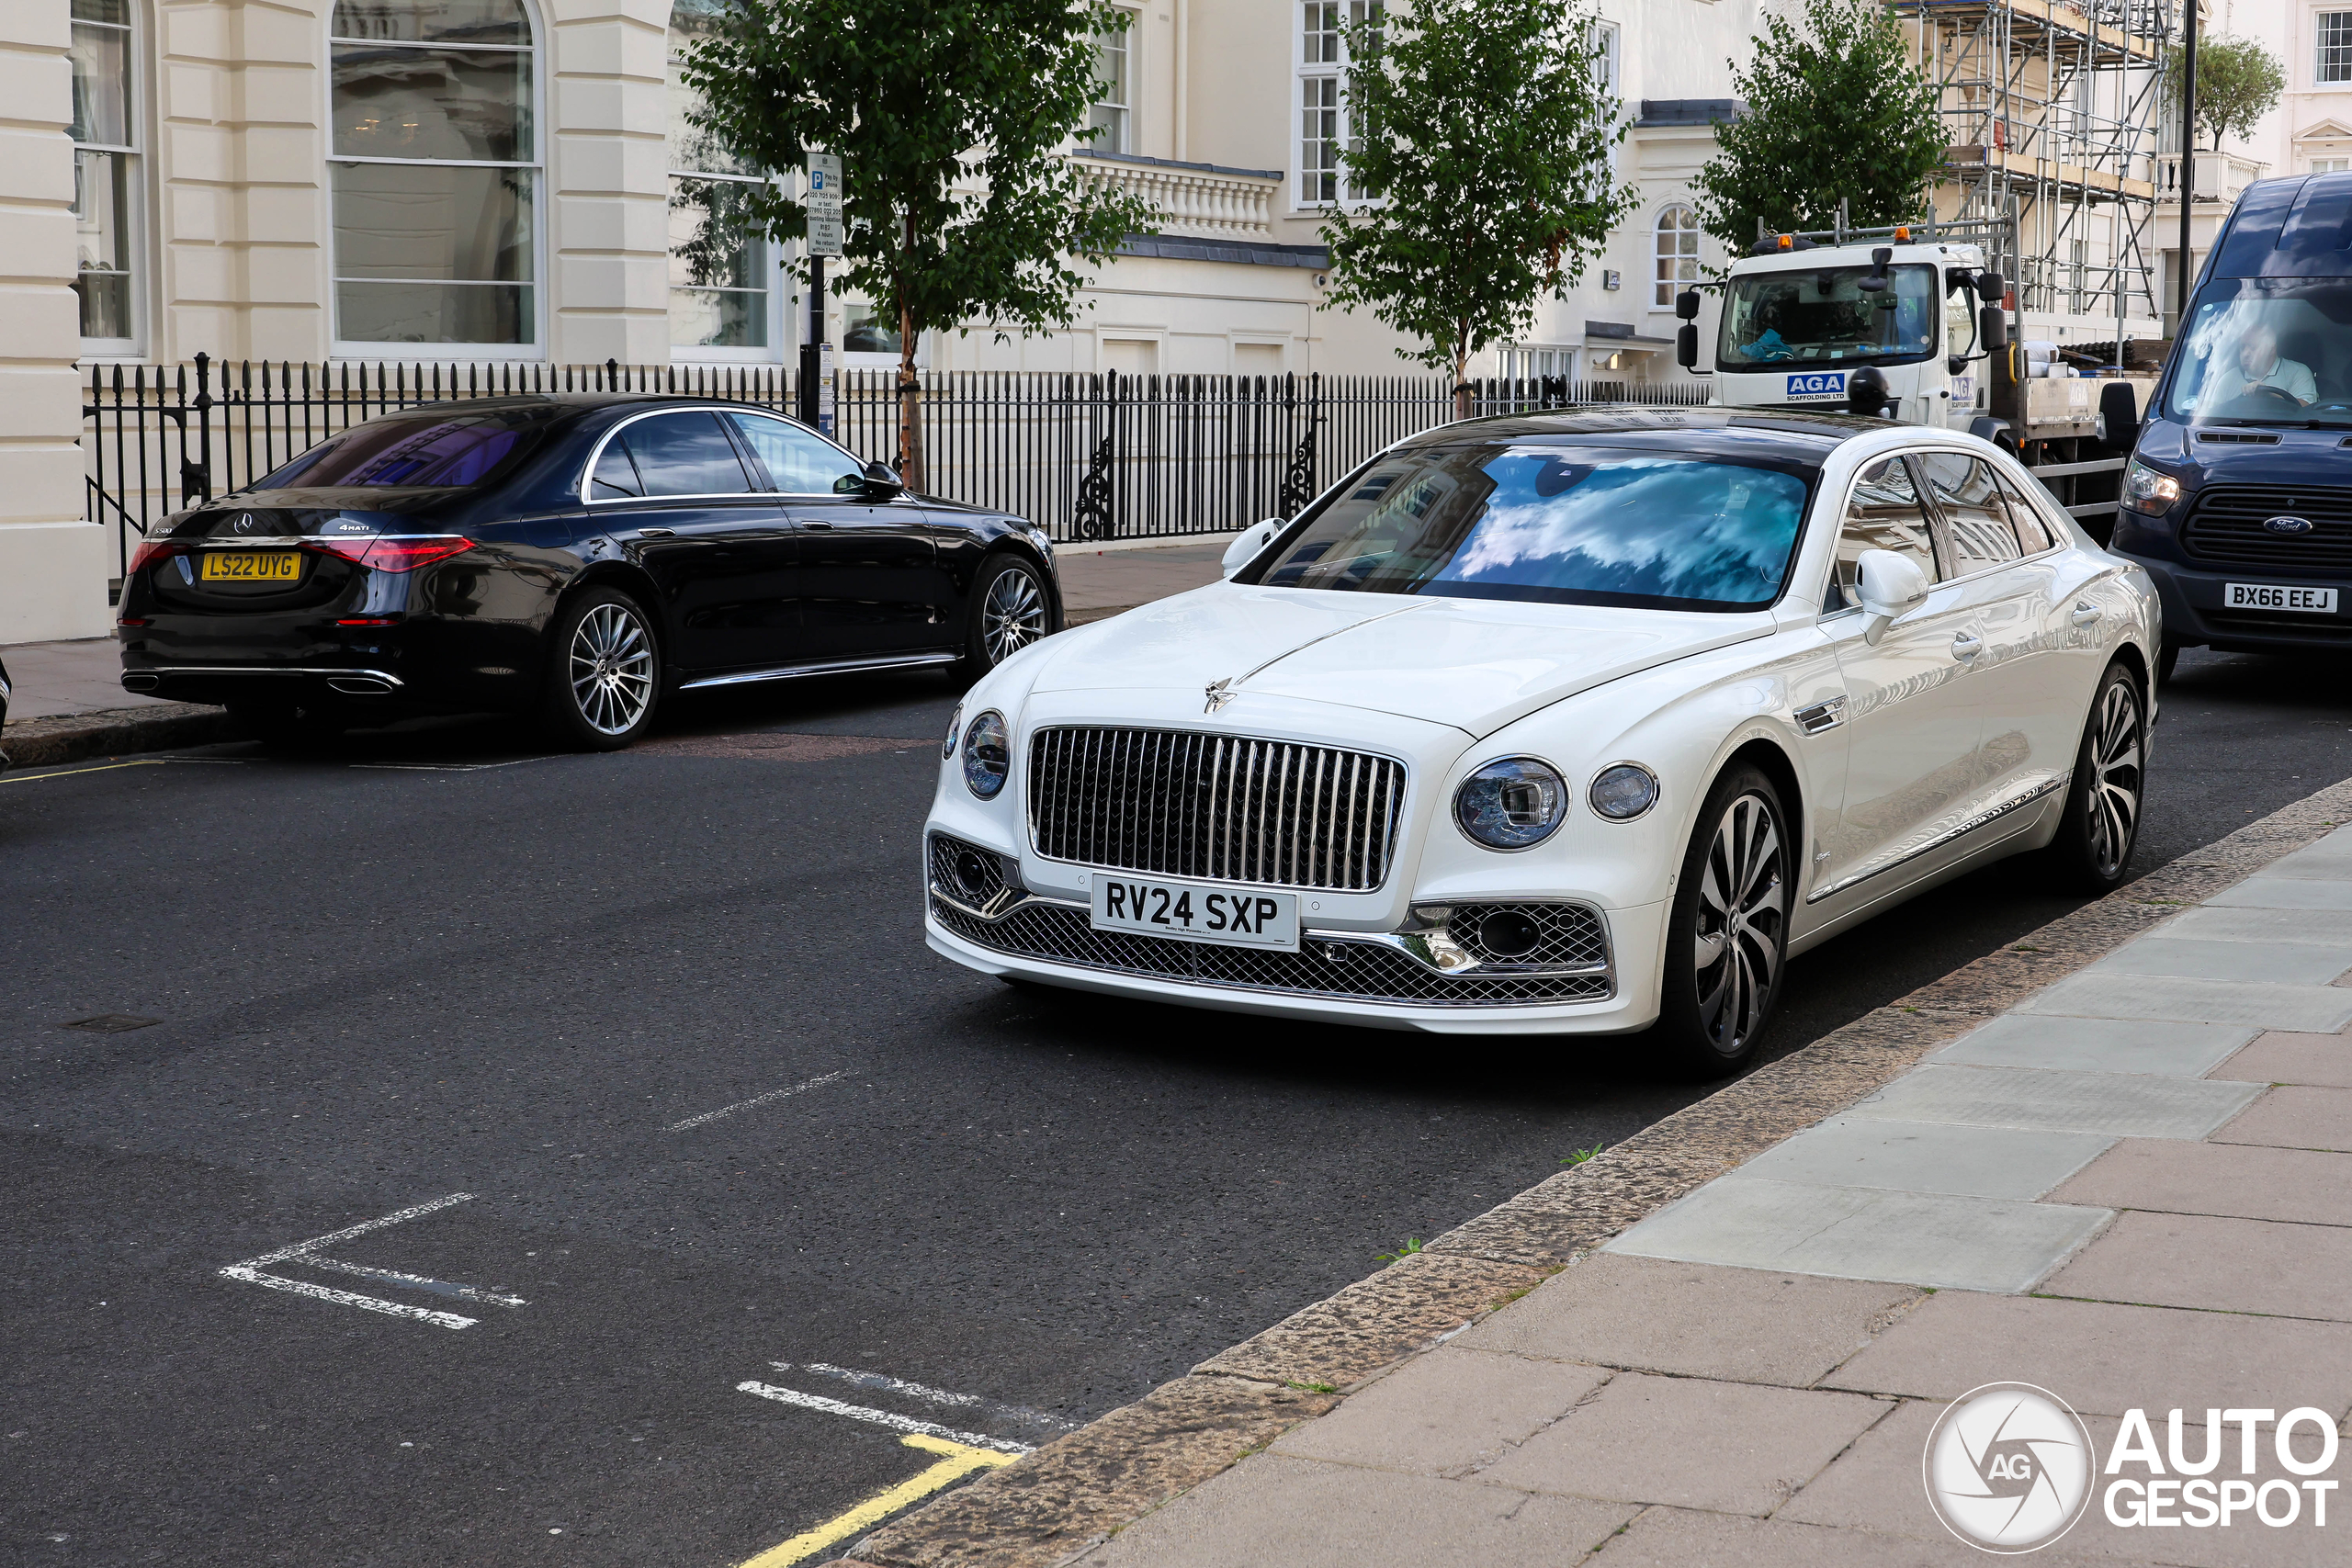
x=2149 y=491
x=988 y=755
x=1512 y=803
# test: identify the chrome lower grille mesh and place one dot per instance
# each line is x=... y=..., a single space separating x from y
x=1216 y=807
x=1340 y=970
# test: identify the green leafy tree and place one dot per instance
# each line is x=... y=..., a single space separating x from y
x=953 y=120
x=1837 y=110
x=1486 y=130
x=2238 y=82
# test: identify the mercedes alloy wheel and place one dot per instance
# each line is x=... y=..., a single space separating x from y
x=606 y=674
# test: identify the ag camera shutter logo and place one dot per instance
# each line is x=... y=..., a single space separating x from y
x=2008 y=1467
x=1816 y=387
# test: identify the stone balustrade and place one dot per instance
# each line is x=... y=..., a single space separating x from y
x=1200 y=200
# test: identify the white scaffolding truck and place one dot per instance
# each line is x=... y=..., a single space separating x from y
x=1909 y=322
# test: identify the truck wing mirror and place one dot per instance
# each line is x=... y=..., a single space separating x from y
x=1989 y=288
x=1686 y=346
x=1686 y=304
x=1992 y=328
x=2119 y=416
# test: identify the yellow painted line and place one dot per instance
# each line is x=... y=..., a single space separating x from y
x=959 y=1461
x=104 y=768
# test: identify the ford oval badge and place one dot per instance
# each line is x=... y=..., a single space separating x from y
x=2291 y=526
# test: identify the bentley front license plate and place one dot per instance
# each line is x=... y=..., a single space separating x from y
x=250 y=566
x=1237 y=917
x=2289 y=597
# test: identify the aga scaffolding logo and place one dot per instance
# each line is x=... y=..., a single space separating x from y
x=2011 y=1468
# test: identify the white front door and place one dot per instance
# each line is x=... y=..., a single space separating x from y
x=1913 y=771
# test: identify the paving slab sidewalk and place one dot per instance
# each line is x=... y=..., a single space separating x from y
x=69 y=702
x=2132 y=1189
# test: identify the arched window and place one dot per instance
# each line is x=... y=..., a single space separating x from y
x=1678 y=254
x=722 y=272
x=434 y=167
x=107 y=186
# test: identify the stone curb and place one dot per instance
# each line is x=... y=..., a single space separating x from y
x=1059 y=1502
x=70 y=737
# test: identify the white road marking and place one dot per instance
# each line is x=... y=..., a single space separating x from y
x=936 y=1395
x=445 y=767
x=755 y=1099
x=891 y=1419
x=250 y=1271
x=345 y=1298
x=395 y=1277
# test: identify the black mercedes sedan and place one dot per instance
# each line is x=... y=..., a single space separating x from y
x=571 y=556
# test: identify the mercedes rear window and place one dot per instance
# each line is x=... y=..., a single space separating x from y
x=439 y=449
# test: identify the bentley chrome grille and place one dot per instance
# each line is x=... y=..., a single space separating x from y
x=1216 y=807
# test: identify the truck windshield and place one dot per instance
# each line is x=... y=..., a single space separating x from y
x=1556 y=525
x=2266 y=351
x=1809 y=318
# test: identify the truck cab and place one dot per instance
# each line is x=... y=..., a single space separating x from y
x=2238 y=498
x=1796 y=324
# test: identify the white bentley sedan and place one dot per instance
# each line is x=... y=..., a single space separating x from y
x=1567 y=723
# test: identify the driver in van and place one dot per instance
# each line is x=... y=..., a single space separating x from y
x=2259 y=365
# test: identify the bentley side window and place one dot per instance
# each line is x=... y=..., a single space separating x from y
x=2033 y=534
x=1882 y=513
x=1976 y=520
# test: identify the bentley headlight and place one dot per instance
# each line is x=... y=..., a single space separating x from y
x=988 y=755
x=1624 y=792
x=954 y=728
x=1511 y=803
x=2149 y=491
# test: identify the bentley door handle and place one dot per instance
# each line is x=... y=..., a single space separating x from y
x=2086 y=612
x=1966 y=645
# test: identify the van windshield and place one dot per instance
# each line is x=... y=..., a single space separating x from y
x=1825 y=316
x=1556 y=524
x=2266 y=351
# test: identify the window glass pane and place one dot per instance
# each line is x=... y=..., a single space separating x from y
x=685 y=453
x=2335 y=63
x=865 y=331
x=102 y=11
x=1884 y=513
x=1970 y=498
x=689 y=147
x=796 y=460
x=99 y=196
x=102 y=85
x=1568 y=525
x=432 y=103
x=434 y=312
x=2034 y=535
x=397 y=220
x=712 y=241
x=434 y=21
x=615 y=475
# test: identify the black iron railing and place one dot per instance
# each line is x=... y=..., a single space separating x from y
x=1091 y=457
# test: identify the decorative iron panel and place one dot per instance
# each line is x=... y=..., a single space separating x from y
x=1338 y=969
x=2226 y=526
x=1216 y=807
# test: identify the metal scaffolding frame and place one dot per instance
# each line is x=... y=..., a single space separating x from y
x=2052 y=110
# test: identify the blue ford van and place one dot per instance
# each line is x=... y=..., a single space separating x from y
x=2238 y=498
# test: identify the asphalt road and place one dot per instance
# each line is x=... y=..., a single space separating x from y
x=425 y=966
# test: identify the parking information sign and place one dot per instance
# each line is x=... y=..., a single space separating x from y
x=824 y=205
x=1818 y=387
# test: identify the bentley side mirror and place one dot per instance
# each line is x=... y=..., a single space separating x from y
x=1890 y=587
x=1244 y=549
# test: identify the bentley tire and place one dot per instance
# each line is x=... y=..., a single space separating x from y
x=1728 y=941
x=604 y=675
x=2093 y=850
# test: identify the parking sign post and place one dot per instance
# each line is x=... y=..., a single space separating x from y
x=824 y=207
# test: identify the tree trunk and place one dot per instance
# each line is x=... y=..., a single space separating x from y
x=1461 y=382
x=911 y=464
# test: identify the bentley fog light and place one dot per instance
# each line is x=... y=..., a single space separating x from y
x=988 y=755
x=1624 y=792
x=2149 y=491
x=1511 y=804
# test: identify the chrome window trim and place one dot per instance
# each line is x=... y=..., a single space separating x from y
x=597 y=456
x=1998 y=566
x=836 y=667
